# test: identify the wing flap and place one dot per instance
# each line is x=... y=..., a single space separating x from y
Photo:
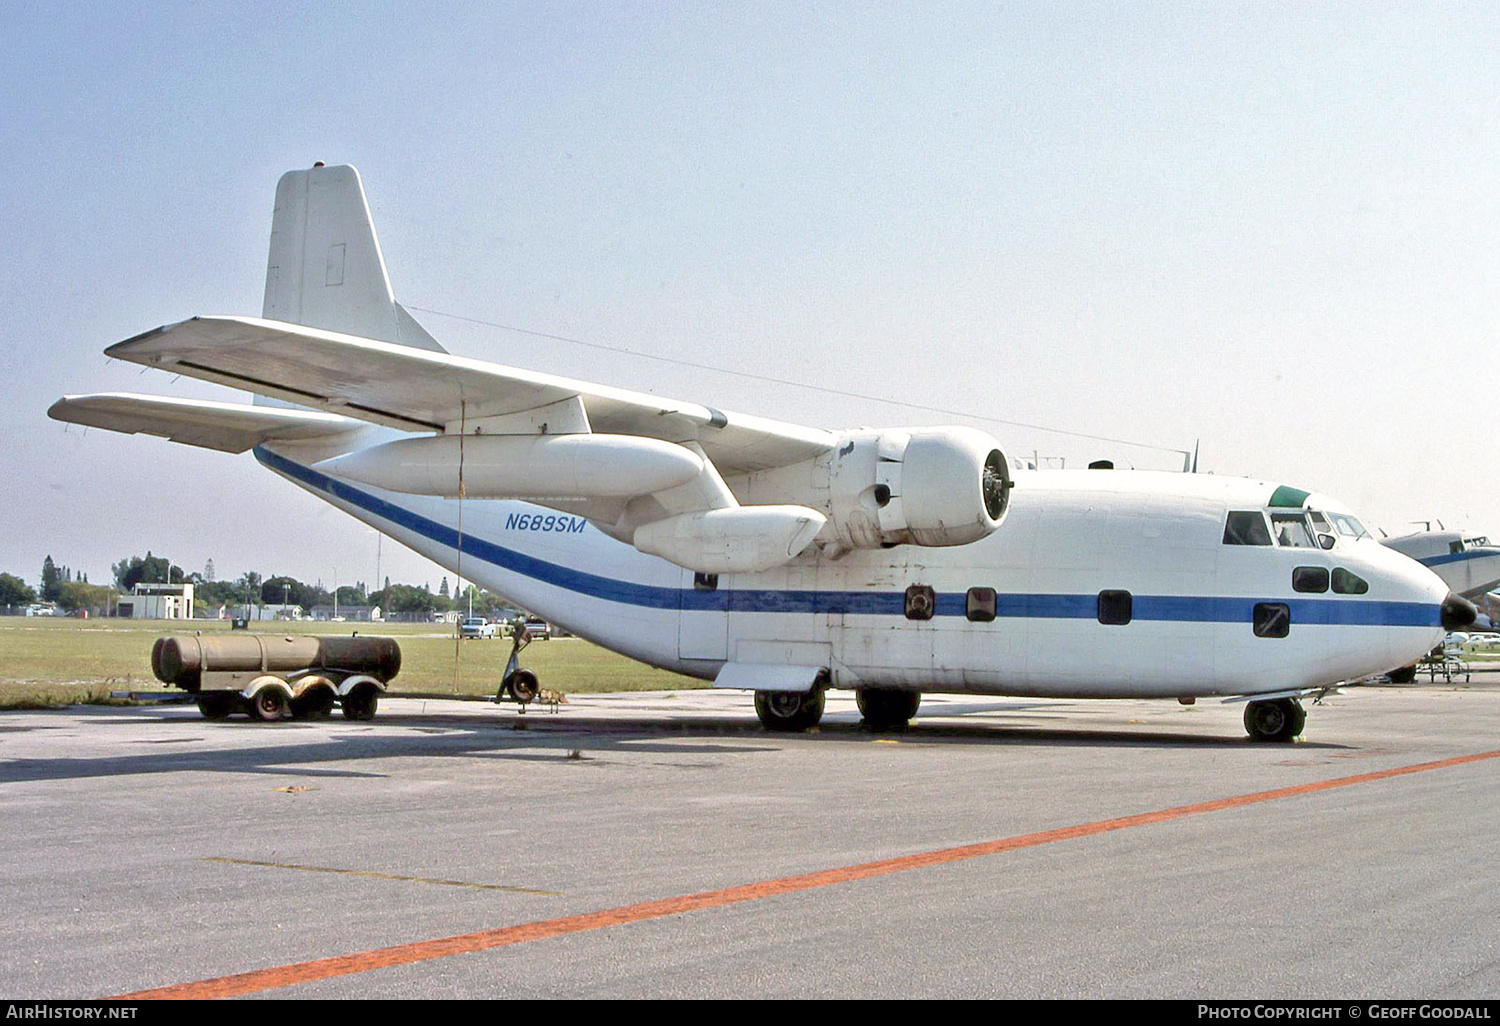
x=419 y=390
x=227 y=427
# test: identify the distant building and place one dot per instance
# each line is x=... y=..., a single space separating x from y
x=354 y=614
x=157 y=602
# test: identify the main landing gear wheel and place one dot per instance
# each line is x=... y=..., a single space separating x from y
x=360 y=703
x=1405 y=675
x=1279 y=720
x=887 y=708
x=789 y=711
x=270 y=704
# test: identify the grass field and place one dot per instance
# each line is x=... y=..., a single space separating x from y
x=47 y=661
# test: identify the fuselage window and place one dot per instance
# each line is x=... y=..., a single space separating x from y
x=1246 y=527
x=920 y=602
x=1310 y=579
x=980 y=606
x=1271 y=620
x=1346 y=583
x=706 y=582
x=1291 y=531
x=1115 y=607
x=1455 y=547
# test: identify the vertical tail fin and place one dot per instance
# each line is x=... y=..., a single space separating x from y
x=326 y=269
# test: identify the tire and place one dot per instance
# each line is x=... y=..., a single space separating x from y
x=1276 y=721
x=789 y=711
x=314 y=704
x=216 y=705
x=270 y=704
x=887 y=708
x=1405 y=675
x=523 y=686
x=360 y=704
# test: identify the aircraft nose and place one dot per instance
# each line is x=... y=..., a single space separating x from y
x=1458 y=612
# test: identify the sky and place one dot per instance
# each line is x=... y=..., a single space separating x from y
x=1267 y=230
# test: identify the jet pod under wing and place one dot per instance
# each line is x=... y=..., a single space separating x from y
x=420 y=390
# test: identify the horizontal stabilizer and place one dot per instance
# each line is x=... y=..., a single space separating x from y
x=228 y=427
x=419 y=390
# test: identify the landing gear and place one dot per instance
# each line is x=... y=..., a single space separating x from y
x=360 y=703
x=517 y=684
x=1278 y=720
x=1405 y=675
x=887 y=708
x=789 y=711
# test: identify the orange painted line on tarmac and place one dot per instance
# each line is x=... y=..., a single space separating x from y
x=421 y=951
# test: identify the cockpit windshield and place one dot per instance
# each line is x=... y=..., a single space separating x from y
x=1292 y=531
x=1348 y=526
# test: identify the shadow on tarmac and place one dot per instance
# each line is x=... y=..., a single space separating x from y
x=543 y=737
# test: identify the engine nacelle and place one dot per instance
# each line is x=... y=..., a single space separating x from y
x=930 y=486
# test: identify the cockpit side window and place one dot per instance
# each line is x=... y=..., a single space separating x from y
x=1246 y=527
x=1292 y=531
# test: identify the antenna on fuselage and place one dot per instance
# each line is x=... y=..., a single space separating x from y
x=1190 y=459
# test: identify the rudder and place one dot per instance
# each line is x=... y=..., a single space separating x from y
x=325 y=268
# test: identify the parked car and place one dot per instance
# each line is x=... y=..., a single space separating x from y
x=477 y=627
x=538 y=630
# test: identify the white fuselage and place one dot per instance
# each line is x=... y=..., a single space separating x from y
x=1196 y=605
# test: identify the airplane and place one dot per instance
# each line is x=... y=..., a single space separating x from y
x=768 y=556
x=1469 y=563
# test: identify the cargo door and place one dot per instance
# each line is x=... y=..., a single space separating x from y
x=703 y=616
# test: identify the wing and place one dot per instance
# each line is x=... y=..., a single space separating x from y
x=420 y=390
x=228 y=427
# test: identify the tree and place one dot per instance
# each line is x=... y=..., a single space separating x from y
x=276 y=590
x=148 y=570
x=403 y=598
x=74 y=595
x=486 y=603
x=15 y=592
x=51 y=580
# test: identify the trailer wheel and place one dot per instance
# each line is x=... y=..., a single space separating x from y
x=271 y=704
x=316 y=703
x=360 y=703
x=216 y=705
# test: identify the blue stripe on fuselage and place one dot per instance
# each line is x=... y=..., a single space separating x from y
x=1173 y=608
x=1458 y=557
